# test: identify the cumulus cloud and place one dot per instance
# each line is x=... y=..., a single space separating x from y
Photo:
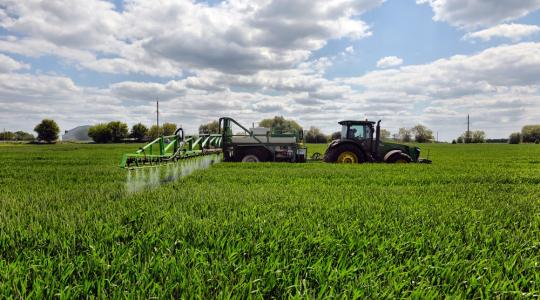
x=166 y=37
x=8 y=64
x=476 y=84
x=499 y=87
x=486 y=72
x=514 y=32
x=479 y=13
x=389 y=61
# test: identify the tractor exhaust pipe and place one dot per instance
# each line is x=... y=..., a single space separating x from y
x=377 y=140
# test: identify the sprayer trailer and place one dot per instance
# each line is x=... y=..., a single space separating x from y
x=260 y=144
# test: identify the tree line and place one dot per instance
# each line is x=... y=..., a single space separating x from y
x=16 y=136
x=47 y=131
x=418 y=133
x=471 y=137
x=116 y=131
x=528 y=134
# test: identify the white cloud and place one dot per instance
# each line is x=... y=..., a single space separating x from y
x=8 y=64
x=480 y=13
x=514 y=32
x=486 y=72
x=499 y=87
x=73 y=24
x=166 y=37
x=389 y=61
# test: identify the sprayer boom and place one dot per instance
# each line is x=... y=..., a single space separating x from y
x=166 y=149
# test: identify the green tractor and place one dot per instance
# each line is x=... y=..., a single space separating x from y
x=358 y=145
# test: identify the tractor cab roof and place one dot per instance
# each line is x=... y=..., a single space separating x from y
x=355 y=122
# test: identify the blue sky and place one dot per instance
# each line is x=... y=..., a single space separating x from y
x=405 y=62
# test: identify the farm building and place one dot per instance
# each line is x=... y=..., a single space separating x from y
x=77 y=134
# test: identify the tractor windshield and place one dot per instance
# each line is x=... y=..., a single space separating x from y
x=358 y=132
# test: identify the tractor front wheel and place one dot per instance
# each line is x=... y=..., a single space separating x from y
x=399 y=158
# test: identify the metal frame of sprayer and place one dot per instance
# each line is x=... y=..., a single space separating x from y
x=172 y=148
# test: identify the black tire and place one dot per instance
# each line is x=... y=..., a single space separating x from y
x=254 y=155
x=399 y=158
x=332 y=154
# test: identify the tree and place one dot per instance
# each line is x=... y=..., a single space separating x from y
x=280 y=123
x=119 y=131
x=454 y=142
x=530 y=133
x=153 y=132
x=336 y=135
x=7 y=136
x=209 y=128
x=515 y=138
x=139 y=132
x=23 y=136
x=168 y=128
x=467 y=137
x=385 y=134
x=404 y=135
x=47 y=131
x=422 y=134
x=475 y=137
x=478 y=136
x=100 y=133
x=314 y=135
x=165 y=129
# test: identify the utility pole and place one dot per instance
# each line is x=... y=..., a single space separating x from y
x=468 y=134
x=437 y=136
x=157 y=115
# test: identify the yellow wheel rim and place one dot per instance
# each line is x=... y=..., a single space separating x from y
x=401 y=161
x=347 y=157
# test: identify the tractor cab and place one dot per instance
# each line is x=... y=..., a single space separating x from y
x=357 y=130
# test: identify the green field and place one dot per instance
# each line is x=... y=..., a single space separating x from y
x=468 y=226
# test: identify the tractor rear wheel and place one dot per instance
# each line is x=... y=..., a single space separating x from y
x=347 y=154
x=399 y=158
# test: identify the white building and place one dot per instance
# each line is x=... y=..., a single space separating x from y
x=77 y=134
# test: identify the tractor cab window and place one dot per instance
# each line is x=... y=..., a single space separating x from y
x=357 y=132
